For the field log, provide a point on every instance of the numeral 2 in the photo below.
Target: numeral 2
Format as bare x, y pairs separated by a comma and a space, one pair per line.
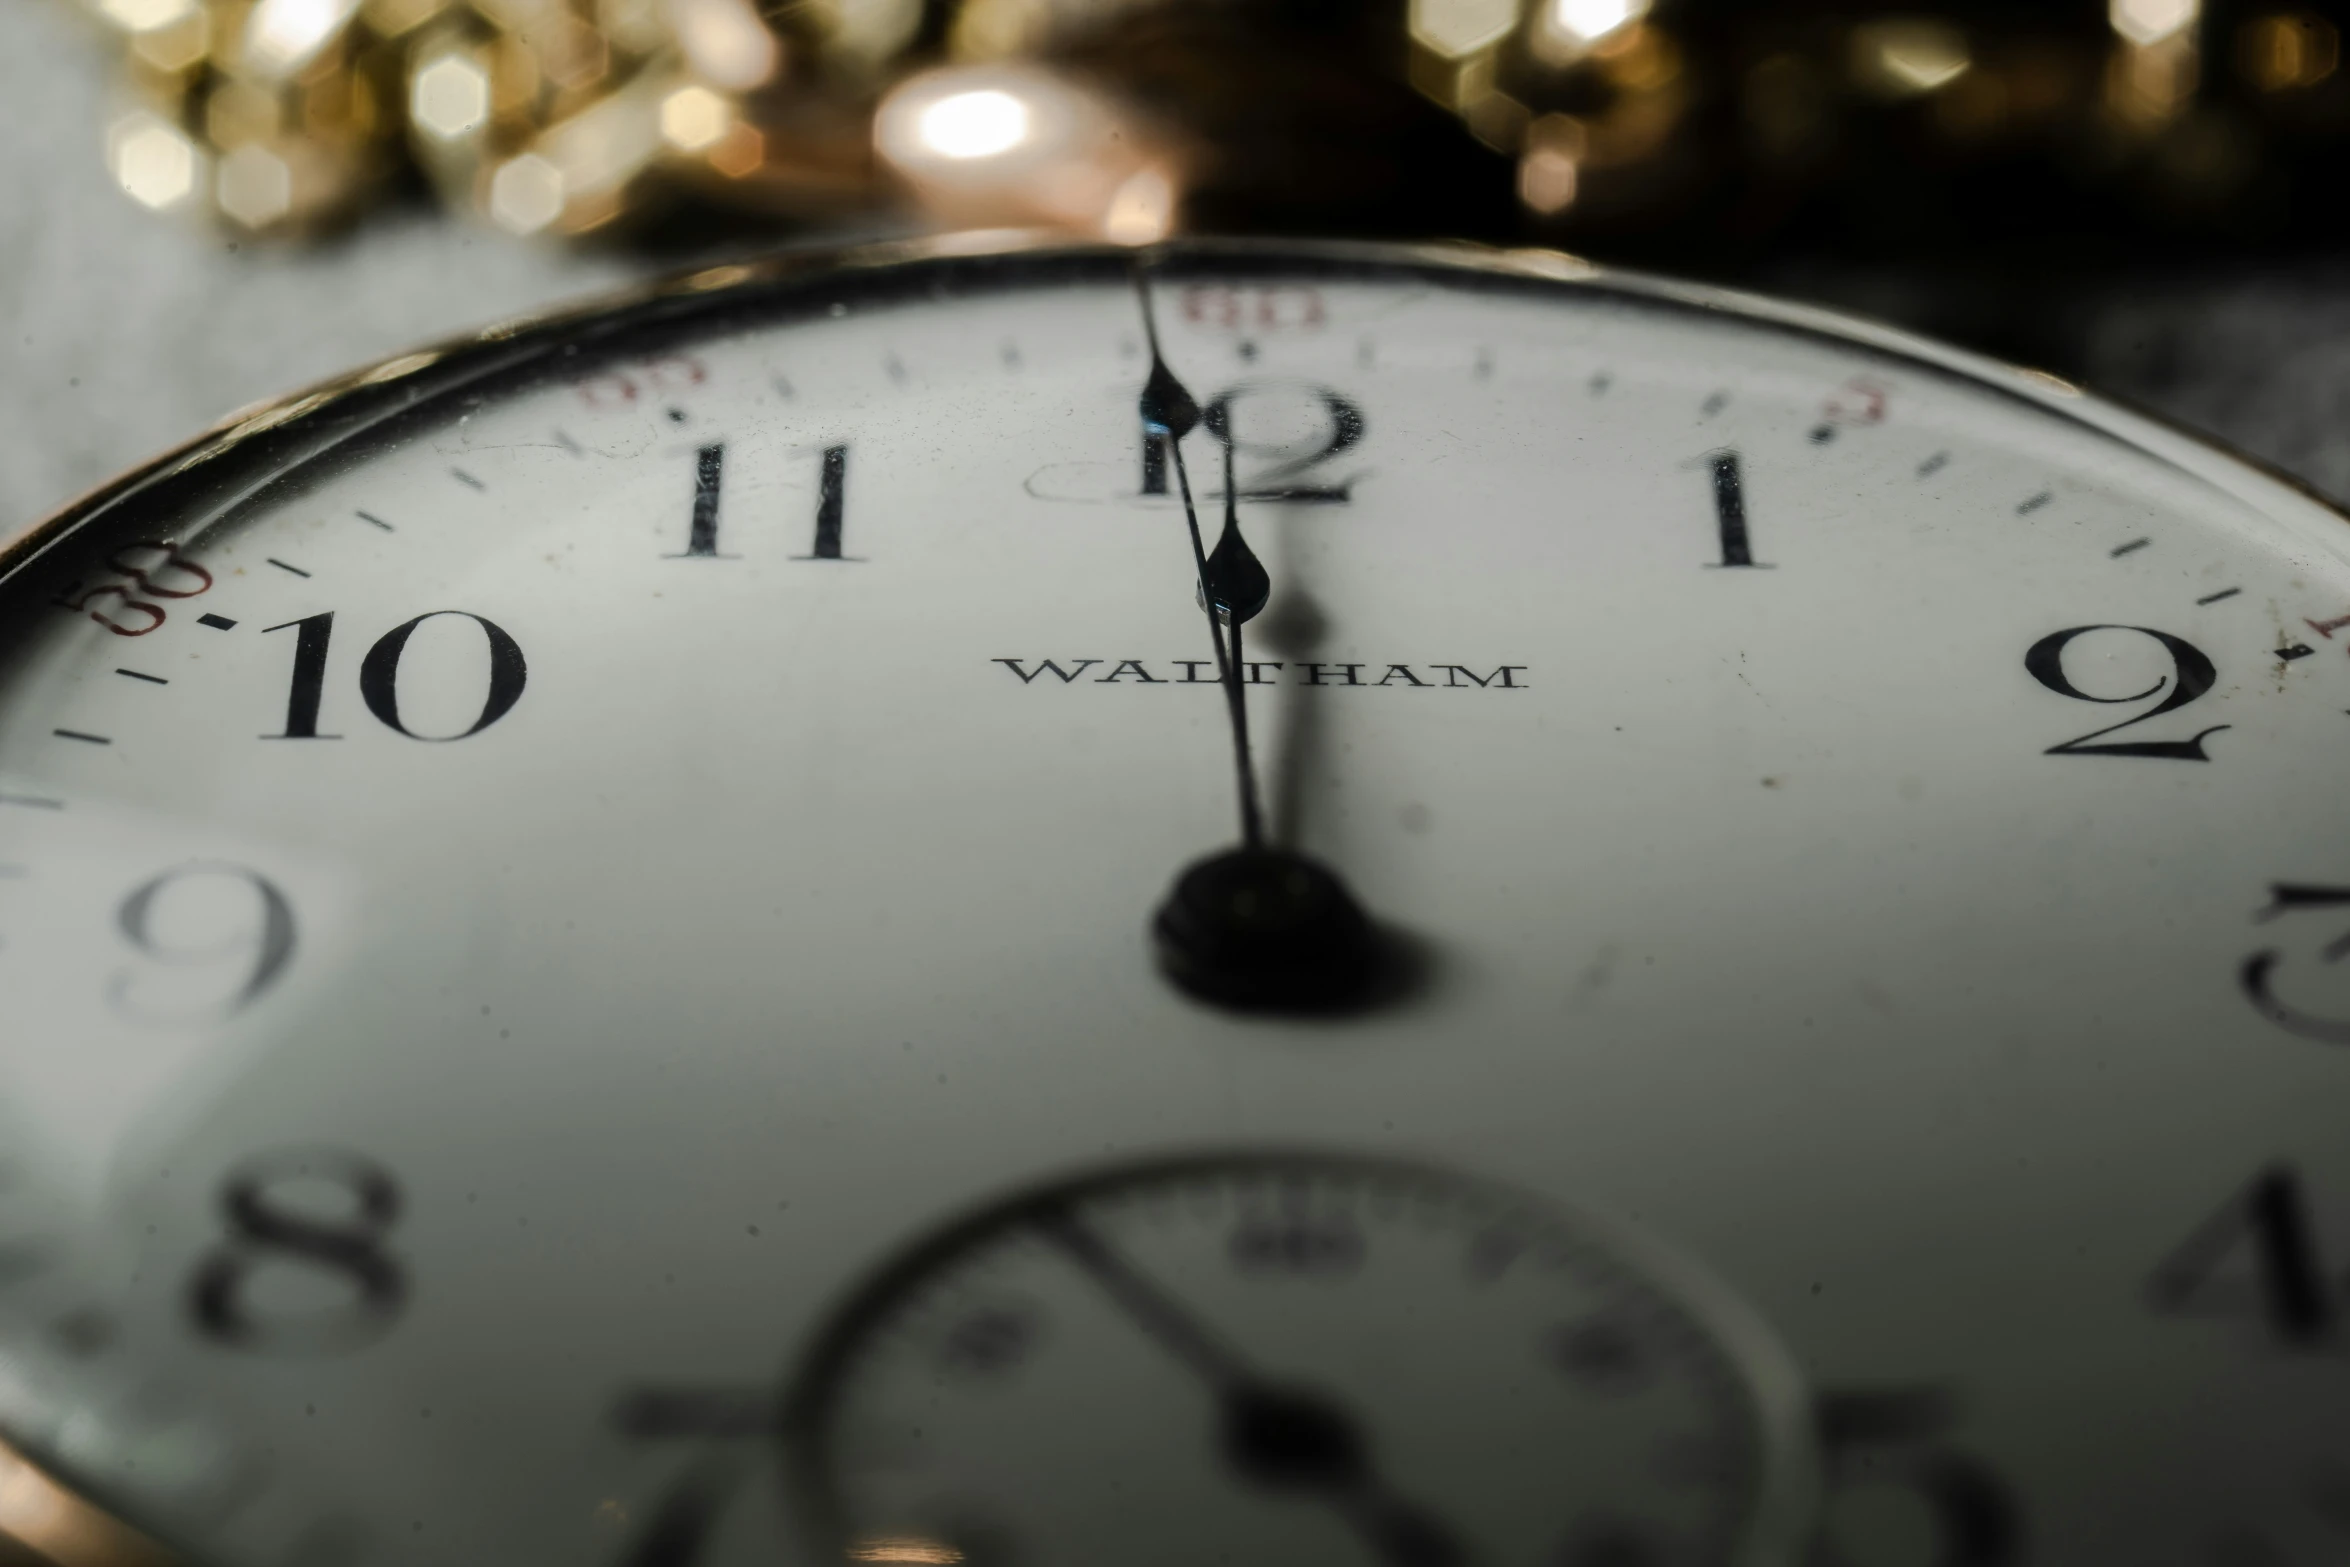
2191, 675
709, 486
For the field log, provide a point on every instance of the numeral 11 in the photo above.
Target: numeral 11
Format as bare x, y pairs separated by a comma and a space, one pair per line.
709, 485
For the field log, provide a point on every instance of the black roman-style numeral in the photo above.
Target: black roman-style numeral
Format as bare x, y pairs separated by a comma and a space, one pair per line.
709, 492
1730, 509
831, 491
709, 479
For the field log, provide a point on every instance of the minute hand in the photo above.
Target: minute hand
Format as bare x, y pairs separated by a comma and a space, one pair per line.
1256, 928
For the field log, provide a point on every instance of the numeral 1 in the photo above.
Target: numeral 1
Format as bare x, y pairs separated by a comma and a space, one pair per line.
1154, 463
709, 477
830, 493
311, 638
1730, 509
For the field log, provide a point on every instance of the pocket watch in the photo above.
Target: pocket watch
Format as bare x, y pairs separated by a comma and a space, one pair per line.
1003, 903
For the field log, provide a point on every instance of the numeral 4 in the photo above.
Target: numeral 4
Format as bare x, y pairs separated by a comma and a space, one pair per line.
2286, 1284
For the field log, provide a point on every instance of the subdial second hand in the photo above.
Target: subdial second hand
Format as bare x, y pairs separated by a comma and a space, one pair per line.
1274, 1434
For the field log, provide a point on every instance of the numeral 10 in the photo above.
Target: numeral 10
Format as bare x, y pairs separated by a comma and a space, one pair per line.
379, 676
709, 486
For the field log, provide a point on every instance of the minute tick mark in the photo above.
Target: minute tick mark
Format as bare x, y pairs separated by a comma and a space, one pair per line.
1933, 465
1713, 405
2294, 650
216, 622
896, 368
564, 440
2035, 503
32, 802
2214, 598
677, 416
2119, 550
76, 734
370, 517
153, 680
467, 479
282, 566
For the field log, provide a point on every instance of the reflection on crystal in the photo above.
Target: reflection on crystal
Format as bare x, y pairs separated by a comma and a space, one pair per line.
1549, 169
911, 1549
739, 154
391, 18
695, 118
283, 36
527, 194
2145, 22
152, 160
450, 97
1907, 56
976, 124
254, 186
140, 16
1453, 28
725, 42
998, 145
2148, 84
1588, 21
1143, 210
239, 112
175, 46
2284, 52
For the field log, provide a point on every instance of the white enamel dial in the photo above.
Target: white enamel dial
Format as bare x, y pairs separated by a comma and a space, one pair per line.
531, 883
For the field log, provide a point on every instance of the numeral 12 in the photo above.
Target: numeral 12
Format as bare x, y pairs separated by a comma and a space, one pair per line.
709, 483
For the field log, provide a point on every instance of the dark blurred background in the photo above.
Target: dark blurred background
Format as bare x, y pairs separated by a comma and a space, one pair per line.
216, 200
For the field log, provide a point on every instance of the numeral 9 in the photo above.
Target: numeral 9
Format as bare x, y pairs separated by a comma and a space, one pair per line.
213, 939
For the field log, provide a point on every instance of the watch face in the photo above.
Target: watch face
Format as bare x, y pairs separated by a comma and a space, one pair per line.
616, 946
